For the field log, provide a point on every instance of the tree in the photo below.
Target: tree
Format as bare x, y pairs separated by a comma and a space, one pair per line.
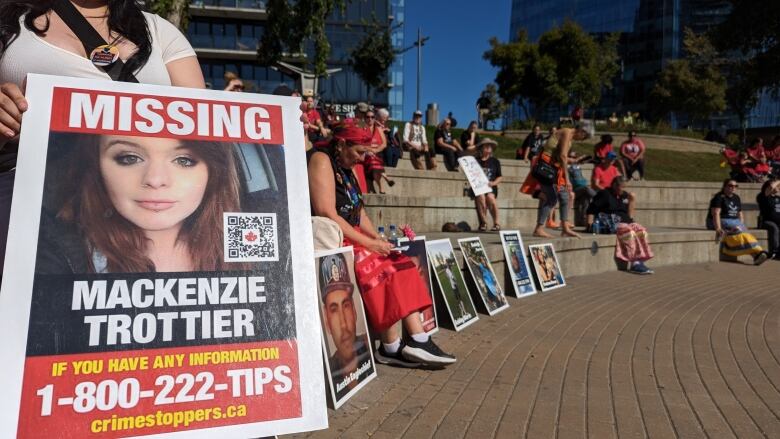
753, 29
584, 67
567, 66
289, 26
692, 85
496, 107
373, 56
175, 11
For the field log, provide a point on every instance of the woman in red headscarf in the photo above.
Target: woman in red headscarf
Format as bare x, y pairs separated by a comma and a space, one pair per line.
391, 287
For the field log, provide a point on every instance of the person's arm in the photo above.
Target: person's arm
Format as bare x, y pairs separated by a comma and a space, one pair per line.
498, 175
441, 144
456, 144
177, 54
741, 217
367, 227
323, 200
716, 221
381, 147
642, 149
595, 181
12, 105
424, 137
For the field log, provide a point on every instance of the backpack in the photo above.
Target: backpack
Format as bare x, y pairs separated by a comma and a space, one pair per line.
544, 171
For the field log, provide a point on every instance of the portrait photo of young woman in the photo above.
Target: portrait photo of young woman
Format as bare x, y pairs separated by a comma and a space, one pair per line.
125, 204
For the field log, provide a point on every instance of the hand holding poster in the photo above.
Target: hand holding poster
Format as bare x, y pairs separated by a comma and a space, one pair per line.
517, 263
154, 286
475, 175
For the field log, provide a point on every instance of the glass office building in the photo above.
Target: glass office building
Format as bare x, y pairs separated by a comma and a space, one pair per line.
225, 35
651, 36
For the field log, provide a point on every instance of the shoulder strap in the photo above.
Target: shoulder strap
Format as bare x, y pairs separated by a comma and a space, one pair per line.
90, 38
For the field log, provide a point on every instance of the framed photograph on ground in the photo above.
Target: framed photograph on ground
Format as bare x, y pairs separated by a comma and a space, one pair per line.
416, 251
162, 266
450, 280
548, 270
481, 270
517, 263
349, 359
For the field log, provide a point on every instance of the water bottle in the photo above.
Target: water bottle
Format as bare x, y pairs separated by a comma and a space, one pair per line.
394, 236
596, 227
381, 230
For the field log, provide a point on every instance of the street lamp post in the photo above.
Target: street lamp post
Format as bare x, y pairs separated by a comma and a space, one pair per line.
418, 44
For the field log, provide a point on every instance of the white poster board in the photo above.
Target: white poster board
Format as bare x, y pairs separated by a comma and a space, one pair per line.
517, 263
347, 349
478, 263
475, 175
451, 284
151, 283
548, 270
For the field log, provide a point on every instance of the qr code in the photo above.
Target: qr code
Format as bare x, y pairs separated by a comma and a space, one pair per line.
250, 237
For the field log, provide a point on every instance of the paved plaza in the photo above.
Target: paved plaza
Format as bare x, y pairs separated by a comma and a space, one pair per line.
693, 351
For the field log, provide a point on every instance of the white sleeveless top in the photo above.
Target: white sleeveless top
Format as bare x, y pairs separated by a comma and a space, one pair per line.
29, 53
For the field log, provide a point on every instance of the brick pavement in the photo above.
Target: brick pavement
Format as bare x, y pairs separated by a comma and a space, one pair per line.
693, 351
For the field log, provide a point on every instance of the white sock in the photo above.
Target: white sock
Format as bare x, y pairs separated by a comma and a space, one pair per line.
393, 347
420, 338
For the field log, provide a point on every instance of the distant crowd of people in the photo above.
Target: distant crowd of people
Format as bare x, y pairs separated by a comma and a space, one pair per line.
755, 163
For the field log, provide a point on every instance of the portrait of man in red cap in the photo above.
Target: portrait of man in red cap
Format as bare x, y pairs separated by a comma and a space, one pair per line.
350, 363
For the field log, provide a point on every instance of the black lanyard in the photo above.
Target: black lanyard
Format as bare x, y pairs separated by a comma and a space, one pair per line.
89, 37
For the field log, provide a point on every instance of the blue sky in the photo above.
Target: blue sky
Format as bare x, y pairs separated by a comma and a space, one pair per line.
454, 72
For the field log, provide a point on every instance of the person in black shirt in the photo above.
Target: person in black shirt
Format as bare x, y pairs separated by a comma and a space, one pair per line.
725, 216
613, 208
492, 168
532, 145
448, 147
469, 138
769, 205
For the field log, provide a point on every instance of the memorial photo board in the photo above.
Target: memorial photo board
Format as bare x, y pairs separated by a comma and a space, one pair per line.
450, 281
548, 270
349, 358
481, 270
517, 263
416, 251
151, 283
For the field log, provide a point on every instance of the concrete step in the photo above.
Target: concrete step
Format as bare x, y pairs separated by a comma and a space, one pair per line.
427, 214
509, 167
450, 184
652, 141
595, 253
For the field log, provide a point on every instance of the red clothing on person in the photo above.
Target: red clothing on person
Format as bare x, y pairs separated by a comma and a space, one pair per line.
313, 116
391, 286
605, 176
756, 155
602, 149
631, 149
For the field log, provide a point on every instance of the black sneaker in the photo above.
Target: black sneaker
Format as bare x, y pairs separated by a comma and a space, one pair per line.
396, 359
426, 353
760, 258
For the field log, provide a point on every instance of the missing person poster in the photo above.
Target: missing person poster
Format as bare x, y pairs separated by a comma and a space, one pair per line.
517, 263
475, 175
548, 270
481, 270
151, 284
416, 251
450, 280
349, 359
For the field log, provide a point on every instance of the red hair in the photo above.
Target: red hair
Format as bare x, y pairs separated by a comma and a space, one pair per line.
122, 242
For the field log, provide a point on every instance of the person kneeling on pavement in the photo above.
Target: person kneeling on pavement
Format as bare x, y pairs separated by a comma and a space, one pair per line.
611, 212
391, 287
726, 218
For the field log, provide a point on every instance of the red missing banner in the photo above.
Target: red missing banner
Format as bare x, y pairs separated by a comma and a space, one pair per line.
105, 112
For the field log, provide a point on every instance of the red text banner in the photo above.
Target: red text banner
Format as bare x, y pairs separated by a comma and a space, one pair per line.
142, 392
116, 113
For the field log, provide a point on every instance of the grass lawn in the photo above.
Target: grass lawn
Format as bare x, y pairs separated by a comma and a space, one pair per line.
661, 165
